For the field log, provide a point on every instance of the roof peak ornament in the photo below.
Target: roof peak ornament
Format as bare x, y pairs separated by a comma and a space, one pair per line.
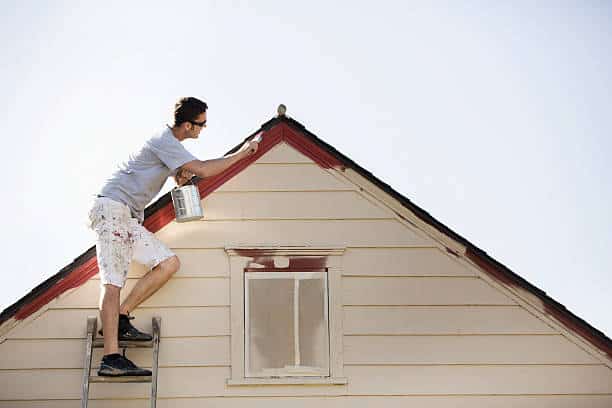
281, 110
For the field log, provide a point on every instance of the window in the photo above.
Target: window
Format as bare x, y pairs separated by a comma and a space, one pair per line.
286, 315
286, 324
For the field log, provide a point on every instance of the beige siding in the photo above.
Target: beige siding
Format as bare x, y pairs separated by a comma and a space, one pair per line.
176, 322
290, 205
477, 349
283, 177
449, 401
420, 291
447, 379
203, 262
282, 153
196, 263
180, 382
352, 233
68, 353
173, 382
194, 292
402, 262
421, 327
426, 320
363, 350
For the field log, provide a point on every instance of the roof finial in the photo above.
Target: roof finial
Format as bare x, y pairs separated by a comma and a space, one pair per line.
282, 109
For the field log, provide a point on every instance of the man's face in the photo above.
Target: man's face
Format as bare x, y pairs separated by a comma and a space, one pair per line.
197, 125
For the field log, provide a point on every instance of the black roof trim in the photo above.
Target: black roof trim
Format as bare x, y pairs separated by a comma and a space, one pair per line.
48, 283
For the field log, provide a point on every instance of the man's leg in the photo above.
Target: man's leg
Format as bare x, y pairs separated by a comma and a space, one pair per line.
114, 250
109, 314
114, 364
150, 283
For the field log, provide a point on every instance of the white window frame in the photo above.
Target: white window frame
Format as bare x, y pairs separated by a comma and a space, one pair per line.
242, 257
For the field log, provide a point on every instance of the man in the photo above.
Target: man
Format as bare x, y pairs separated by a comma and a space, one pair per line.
117, 216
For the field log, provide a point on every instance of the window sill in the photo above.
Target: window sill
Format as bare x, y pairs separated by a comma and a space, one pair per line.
288, 381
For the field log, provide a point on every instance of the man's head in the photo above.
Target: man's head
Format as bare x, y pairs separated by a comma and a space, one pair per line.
189, 117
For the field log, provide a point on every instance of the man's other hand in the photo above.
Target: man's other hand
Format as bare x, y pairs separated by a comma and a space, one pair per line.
182, 177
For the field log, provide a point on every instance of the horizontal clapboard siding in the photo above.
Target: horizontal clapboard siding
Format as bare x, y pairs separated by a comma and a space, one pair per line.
214, 320
448, 401
350, 233
420, 291
290, 205
501, 349
173, 382
374, 261
285, 177
282, 153
402, 262
193, 292
441, 320
195, 263
547, 379
179, 382
68, 353
358, 350
176, 322
198, 263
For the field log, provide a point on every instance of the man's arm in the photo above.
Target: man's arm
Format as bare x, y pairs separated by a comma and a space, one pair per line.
209, 168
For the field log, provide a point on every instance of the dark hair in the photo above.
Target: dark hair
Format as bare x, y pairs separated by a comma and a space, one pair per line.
188, 109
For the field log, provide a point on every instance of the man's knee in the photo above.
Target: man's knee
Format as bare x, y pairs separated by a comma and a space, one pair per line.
109, 296
170, 265
110, 290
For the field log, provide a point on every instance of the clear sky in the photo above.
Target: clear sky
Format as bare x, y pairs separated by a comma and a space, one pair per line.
494, 117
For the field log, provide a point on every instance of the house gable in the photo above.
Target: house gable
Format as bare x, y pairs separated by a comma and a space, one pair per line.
422, 323
287, 145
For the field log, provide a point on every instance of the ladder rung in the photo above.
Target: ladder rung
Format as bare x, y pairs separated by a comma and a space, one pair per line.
123, 379
99, 343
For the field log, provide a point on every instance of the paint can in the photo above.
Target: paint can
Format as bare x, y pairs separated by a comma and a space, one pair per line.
186, 202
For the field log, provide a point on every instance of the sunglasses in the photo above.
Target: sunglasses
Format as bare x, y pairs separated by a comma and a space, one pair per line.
200, 124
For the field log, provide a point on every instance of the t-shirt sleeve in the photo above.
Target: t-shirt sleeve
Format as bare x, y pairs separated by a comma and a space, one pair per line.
170, 151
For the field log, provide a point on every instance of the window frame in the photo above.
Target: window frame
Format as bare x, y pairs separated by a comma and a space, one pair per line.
241, 259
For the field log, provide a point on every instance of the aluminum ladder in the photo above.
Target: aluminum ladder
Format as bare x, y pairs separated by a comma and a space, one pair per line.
93, 342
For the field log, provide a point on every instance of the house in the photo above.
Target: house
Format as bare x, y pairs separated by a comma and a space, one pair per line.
312, 283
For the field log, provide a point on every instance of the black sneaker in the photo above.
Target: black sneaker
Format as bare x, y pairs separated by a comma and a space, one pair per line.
128, 332
116, 365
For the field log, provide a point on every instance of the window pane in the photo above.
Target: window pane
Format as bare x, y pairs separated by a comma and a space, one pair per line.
280, 342
313, 325
270, 323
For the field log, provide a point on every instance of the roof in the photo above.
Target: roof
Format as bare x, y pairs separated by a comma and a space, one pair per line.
279, 129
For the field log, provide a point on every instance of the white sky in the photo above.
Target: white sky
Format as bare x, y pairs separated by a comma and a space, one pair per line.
495, 119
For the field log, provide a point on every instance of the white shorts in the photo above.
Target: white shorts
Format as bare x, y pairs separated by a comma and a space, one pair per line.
122, 239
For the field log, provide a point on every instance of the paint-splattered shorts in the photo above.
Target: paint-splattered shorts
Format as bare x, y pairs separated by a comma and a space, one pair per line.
122, 239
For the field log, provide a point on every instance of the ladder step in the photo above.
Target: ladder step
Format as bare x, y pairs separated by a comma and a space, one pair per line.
124, 379
99, 343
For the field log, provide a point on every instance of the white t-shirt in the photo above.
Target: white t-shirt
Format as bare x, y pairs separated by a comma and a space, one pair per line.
139, 179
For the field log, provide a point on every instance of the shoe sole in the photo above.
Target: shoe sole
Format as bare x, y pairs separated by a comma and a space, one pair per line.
135, 338
121, 373
150, 338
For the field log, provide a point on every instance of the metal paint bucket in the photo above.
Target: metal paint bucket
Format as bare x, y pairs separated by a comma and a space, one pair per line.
186, 201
